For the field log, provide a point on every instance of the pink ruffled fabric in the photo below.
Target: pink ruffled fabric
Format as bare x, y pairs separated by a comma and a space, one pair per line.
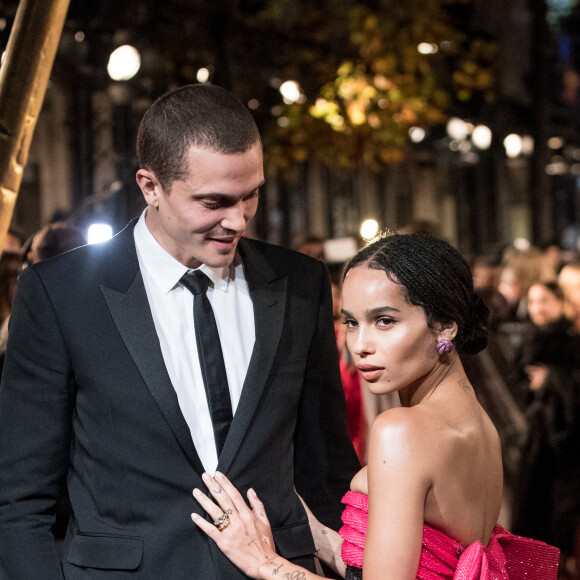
506, 557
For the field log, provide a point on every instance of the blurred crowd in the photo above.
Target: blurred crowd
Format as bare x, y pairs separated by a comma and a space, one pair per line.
18, 253
527, 379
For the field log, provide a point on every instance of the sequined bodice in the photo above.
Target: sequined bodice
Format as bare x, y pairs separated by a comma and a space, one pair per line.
506, 557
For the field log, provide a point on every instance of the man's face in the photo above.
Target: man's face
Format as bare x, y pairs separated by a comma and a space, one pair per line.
204, 214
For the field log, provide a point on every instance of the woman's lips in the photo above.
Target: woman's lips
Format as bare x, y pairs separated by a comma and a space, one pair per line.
369, 373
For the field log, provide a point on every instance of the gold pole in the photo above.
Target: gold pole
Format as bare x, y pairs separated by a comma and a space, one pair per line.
23, 79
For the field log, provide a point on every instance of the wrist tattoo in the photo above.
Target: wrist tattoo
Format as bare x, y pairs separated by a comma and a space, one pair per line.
271, 561
295, 575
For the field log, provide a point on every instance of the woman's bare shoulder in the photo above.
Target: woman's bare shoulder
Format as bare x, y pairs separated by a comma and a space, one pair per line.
405, 422
401, 434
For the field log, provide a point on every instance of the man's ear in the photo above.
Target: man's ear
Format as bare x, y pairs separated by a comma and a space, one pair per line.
445, 330
150, 186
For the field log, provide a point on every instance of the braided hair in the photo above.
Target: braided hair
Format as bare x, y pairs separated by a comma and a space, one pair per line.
434, 276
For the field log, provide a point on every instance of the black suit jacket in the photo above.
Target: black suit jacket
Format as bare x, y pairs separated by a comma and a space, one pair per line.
85, 396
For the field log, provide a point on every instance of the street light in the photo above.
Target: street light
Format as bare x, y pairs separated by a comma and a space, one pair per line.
417, 134
291, 92
481, 137
124, 63
457, 129
427, 48
202, 75
513, 145
369, 229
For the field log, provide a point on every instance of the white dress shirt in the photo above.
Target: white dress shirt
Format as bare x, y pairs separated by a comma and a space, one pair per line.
172, 308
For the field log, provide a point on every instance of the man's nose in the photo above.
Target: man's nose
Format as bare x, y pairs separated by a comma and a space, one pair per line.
234, 218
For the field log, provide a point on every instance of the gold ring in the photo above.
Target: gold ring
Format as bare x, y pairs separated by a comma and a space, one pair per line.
222, 522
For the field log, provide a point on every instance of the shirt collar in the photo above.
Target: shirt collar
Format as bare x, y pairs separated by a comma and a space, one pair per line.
164, 269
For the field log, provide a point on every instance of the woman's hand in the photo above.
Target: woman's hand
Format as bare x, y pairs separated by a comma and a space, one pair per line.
243, 534
246, 538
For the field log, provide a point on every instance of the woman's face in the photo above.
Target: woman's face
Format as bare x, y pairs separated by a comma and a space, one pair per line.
388, 338
508, 286
569, 281
543, 305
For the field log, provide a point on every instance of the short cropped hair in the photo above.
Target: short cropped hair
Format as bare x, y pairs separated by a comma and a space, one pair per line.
204, 116
434, 276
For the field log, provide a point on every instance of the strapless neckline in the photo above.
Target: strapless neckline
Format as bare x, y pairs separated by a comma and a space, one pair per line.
506, 556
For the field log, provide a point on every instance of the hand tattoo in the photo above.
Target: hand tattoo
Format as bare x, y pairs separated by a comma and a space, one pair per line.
230, 511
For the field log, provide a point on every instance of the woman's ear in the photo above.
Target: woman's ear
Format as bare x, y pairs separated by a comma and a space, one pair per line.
446, 330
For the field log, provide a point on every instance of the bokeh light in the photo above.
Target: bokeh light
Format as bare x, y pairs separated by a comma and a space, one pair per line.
124, 63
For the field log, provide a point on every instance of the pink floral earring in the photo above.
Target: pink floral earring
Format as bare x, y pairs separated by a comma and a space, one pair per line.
445, 346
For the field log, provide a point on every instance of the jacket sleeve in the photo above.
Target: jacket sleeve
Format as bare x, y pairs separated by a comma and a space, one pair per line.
325, 460
36, 399
559, 403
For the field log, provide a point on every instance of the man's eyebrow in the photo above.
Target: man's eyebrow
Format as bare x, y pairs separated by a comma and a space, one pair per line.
226, 195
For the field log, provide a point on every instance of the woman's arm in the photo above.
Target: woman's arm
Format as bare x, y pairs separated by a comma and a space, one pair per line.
326, 541
247, 539
398, 483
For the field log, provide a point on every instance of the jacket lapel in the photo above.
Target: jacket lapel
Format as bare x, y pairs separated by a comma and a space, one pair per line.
127, 301
268, 292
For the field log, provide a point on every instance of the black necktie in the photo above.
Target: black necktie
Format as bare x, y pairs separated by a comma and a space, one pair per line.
211, 357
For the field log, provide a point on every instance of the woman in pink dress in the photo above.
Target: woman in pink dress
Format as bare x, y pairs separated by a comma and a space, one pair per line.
427, 503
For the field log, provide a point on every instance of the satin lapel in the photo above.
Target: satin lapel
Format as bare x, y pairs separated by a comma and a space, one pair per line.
268, 292
132, 316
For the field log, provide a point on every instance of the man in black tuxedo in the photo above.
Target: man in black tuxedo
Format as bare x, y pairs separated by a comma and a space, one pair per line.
107, 387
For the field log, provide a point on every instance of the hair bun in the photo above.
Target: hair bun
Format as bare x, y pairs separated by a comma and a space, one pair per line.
472, 337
